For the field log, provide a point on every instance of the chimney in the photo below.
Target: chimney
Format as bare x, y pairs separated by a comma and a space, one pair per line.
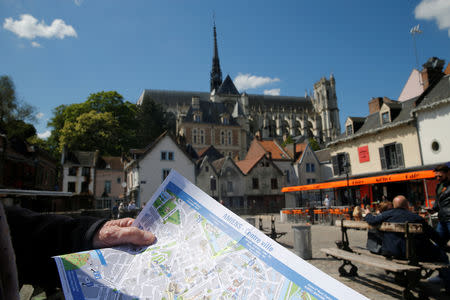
432, 71
375, 105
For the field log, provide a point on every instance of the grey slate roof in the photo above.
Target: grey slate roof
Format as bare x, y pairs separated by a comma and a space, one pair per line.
227, 87
373, 124
172, 98
83, 158
441, 91
211, 112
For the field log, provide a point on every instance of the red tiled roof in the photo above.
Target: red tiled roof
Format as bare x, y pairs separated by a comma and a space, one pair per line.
271, 146
202, 151
247, 164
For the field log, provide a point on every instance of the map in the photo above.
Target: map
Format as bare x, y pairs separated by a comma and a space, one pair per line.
203, 251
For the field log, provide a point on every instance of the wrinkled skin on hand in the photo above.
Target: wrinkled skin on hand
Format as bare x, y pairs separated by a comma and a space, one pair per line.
119, 232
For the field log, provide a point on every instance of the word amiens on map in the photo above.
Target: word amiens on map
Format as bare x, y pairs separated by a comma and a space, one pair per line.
248, 233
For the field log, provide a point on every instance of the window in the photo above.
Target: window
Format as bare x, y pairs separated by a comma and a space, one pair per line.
197, 118
255, 183
85, 187
349, 129
341, 164
165, 172
206, 169
225, 120
391, 156
310, 168
166, 155
71, 187
435, 146
85, 171
222, 137
119, 179
229, 186
107, 186
212, 184
194, 136
202, 137
229, 137
310, 180
385, 117
274, 183
73, 171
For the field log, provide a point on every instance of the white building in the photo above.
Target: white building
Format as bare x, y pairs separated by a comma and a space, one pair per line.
433, 122
150, 166
79, 171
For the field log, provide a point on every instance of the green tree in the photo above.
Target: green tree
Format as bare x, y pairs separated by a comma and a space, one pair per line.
314, 144
90, 131
152, 121
123, 112
11, 108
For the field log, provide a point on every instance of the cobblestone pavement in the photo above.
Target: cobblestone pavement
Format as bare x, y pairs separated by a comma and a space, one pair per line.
371, 282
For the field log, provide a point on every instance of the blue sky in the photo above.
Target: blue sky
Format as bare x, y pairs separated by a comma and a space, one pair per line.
60, 51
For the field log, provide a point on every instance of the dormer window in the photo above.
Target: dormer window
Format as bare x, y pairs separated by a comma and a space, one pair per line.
349, 129
385, 118
225, 120
197, 118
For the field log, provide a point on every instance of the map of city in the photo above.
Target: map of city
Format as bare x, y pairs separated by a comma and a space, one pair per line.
193, 258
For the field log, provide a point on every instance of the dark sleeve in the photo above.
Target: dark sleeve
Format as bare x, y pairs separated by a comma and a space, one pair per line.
375, 220
37, 237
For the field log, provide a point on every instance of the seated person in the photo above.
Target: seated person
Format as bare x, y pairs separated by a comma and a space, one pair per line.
394, 244
374, 236
357, 213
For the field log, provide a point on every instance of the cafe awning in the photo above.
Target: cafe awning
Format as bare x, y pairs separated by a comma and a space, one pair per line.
362, 181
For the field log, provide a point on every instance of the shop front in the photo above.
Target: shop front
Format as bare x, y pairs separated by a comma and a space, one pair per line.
418, 186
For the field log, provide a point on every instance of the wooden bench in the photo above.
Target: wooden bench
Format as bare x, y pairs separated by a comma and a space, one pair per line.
407, 272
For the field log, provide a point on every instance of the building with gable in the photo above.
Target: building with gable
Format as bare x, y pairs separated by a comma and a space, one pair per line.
147, 168
229, 119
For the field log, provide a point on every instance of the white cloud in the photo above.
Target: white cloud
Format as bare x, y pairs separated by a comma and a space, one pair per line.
78, 2
29, 27
35, 44
438, 10
272, 92
248, 81
39, 115
44, 135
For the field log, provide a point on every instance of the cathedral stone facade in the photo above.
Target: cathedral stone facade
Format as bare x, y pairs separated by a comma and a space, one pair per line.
229, 120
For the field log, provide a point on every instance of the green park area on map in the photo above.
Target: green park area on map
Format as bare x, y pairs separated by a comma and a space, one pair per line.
74, 261
166, 208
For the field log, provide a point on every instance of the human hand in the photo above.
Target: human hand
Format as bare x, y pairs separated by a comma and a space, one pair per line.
119, 232
367, 211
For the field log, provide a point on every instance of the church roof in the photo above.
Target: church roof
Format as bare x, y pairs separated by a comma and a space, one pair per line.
211, 113
227, 87
267, 100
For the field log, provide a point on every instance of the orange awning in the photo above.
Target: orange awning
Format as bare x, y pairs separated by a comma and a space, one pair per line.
362, 181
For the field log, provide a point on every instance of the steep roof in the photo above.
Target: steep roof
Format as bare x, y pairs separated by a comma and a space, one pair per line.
247, 165
83, 158
437, 93
211, 113
277, 152
227, 87
218, 163
211, 152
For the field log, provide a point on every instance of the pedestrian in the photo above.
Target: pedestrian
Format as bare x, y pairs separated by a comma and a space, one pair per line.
327, 202
121, 210
442, 202
115, 211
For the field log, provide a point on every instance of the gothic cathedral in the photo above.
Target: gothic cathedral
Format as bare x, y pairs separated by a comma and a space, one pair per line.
229, 120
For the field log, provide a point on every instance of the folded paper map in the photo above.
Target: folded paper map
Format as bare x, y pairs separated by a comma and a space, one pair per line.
203, 251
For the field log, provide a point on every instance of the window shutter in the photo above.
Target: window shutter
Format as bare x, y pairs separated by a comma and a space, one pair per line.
334, 160
382, 158
349, 165
399, 151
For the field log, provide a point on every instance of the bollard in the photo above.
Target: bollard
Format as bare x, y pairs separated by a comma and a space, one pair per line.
252, 221
283, 216
302, 241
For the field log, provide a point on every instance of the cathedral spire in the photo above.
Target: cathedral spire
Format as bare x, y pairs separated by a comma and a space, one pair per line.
216, 73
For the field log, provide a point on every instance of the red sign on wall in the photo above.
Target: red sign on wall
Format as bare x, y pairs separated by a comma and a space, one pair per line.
363, 153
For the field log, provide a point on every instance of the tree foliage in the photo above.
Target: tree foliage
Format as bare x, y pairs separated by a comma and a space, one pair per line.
14, 113
314, 144
107, 123
92, 130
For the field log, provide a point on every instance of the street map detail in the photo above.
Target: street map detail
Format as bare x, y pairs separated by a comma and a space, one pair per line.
203, 251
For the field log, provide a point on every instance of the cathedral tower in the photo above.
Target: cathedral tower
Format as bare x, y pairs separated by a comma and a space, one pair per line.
216, 73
